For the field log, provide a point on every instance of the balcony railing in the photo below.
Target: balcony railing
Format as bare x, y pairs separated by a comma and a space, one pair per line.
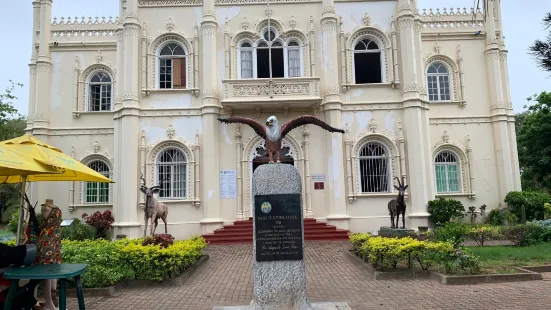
295, 91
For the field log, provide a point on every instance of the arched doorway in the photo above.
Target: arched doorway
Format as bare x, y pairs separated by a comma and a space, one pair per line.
261, 156
258, 156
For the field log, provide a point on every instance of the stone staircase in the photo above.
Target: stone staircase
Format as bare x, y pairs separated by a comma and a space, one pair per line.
241, 232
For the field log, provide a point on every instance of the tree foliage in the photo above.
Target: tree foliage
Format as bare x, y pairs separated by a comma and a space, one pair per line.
12, 124
534, 143
541, 50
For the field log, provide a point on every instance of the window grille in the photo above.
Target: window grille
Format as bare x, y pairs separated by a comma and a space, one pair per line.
374, 168
97, 192
438, 82
172, 67
446, 169
172, 167
100, 92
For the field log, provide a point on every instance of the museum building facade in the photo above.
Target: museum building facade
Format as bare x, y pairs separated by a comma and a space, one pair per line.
423, 96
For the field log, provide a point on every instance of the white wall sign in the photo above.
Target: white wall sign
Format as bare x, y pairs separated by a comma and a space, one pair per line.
228, 184
318, 177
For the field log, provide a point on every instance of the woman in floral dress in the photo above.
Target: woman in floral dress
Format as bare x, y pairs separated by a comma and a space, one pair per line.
48, 247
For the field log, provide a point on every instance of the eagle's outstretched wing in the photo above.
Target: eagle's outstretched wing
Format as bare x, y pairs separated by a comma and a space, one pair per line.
256, 126
305, 120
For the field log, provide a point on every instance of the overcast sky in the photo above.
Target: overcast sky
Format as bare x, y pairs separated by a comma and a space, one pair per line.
522, 25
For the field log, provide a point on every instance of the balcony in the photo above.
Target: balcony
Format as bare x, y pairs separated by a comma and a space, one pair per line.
257, 93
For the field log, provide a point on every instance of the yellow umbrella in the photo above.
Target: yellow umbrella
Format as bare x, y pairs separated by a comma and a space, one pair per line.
68, 168
13, 164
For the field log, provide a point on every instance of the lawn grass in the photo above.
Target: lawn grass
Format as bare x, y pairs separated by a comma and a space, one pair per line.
502, 259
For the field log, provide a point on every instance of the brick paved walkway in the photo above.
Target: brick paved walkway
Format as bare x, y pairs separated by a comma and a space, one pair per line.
226, 279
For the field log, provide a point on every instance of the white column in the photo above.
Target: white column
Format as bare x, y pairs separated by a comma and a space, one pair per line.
32, 66
498, 102
211, 127
239, 177
307, 175
127, 127
415, 117
332, 106
42, 86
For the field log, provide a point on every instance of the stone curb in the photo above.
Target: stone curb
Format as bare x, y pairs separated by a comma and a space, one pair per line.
112, 290
527, 274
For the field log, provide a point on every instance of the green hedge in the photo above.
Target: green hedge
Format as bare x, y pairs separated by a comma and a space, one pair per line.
532, 202
112, 261
390, 253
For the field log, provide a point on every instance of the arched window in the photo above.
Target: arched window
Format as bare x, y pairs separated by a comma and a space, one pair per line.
171, 173
97, 192
172, 67
293, 59
374, 168
246, 58
270, 52
438, 82
367, 62
100, 92
446, 170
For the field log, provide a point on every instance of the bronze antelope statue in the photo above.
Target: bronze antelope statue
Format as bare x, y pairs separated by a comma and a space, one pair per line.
153, 209
398, 206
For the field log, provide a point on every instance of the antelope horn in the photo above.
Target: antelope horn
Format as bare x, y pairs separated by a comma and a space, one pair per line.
399, 184
143, 179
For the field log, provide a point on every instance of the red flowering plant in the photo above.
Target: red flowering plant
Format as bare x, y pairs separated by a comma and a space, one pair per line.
100, 221
163, 240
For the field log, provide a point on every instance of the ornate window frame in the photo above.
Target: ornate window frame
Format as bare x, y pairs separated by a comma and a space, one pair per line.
453, 71
84, 90
283, 35
152, 156
393, 157
382, 40
153, 60
460, 166
81, 185
465, 165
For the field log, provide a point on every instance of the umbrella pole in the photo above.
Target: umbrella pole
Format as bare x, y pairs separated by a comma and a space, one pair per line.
21, 211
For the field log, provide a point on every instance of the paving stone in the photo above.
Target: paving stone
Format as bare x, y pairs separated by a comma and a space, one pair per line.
226, 280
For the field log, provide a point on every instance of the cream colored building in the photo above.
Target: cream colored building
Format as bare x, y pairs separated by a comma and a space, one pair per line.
423, 95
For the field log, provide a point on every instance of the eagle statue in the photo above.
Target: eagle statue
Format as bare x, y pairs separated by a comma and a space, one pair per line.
272, 133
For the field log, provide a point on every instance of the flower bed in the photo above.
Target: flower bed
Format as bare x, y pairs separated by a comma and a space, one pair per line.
395, 253
111, 262
393, 258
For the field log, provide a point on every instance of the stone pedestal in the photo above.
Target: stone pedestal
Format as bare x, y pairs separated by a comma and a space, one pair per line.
278, 244
390, 232
278, 283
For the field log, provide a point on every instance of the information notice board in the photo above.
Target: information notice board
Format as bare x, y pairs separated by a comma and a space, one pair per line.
278, 227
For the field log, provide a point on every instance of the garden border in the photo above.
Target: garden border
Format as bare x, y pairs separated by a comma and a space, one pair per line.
112, 290
527, 274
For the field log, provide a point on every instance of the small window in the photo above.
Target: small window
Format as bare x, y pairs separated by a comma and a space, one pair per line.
374, 171
96, 192
293, 59
171, 166
246, 54
172, 67
367, 62
100, 88
438, 82
446, 169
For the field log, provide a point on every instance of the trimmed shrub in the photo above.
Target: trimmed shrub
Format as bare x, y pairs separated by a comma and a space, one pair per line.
532, 202
523, 234
385, 253
452, 232
162, 240
443, 210
106, 265
481, 234
78, 231
100, 221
